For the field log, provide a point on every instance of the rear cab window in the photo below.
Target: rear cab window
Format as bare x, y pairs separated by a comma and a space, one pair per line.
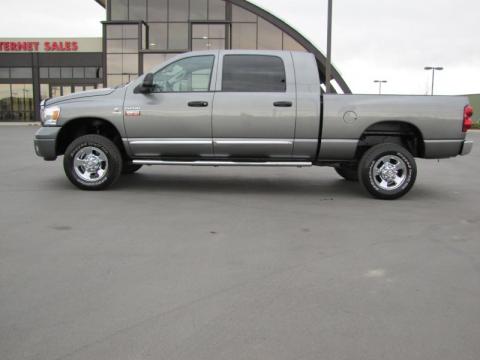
253, 73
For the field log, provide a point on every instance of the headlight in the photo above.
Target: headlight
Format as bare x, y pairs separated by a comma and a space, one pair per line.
50, 115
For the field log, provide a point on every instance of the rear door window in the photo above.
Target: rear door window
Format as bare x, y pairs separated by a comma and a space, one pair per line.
253, 73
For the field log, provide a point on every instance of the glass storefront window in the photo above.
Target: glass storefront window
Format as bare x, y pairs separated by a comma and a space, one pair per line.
242, 15
208, 44
44, 72
5, 101
200, 31
157, 35
67, 90
93, 72
114, 63
16, 102
56, 91
158, 10
137, 10
44, 91
290, 44
78, 72
178, 36
269, 36
21, 73
114, 31
77, 89
130, 63
114, 46
54, 73
4, 73
122, 31
122, 46
114, 80
208, 37
204, 31
130, 46
122, 50
66, 72
119, 9
198, 9
152, 60
244, 36
216, 9
130, 31
178, 10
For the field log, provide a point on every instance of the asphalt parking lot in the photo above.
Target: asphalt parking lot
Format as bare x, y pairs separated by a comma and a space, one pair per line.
236, 263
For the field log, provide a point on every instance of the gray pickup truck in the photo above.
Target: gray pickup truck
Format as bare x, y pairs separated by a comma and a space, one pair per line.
249, 108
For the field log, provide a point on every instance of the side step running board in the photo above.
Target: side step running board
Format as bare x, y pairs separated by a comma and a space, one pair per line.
223, 163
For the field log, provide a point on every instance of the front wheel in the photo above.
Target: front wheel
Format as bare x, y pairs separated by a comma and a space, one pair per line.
387, 171
92, 162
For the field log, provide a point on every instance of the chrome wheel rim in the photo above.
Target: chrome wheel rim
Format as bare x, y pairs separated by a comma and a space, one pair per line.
389, 172
90, 164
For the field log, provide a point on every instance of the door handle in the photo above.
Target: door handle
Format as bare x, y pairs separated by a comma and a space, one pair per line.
282, 104
198, 104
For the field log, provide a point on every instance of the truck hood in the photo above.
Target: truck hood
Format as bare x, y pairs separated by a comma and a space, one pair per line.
79, 95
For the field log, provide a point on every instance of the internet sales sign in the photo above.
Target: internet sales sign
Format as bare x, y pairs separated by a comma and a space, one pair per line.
36, 46
49, 45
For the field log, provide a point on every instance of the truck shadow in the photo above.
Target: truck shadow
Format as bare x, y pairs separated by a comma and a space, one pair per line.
229, 184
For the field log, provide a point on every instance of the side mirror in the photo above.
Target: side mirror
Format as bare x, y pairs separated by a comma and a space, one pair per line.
148, 81
146, 86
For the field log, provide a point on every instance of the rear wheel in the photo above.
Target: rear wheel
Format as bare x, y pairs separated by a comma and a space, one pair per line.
348, 172
92, 162
387, 171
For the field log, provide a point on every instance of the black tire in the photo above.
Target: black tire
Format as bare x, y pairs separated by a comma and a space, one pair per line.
109, 162
129, 168
380, 175
348, 172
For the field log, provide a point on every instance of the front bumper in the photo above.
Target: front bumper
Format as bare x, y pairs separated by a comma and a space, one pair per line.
466, 147
45, 141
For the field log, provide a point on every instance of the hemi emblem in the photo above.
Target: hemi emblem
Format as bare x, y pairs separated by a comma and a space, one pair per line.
132, 111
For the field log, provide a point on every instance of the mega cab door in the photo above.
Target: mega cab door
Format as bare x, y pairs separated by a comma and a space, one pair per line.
254, 107
174, 118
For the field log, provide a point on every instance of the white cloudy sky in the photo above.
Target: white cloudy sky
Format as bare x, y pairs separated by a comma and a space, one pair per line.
372, 39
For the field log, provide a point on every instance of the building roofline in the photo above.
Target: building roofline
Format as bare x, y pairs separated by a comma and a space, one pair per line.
282, 25
295, 35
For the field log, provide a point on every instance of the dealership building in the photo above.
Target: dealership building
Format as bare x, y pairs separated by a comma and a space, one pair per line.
137, 35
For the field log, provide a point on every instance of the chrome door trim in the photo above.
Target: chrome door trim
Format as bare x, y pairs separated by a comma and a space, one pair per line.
170, 141
306, 140
252, 142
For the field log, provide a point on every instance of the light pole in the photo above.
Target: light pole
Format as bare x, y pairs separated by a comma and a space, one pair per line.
328, 66
433, 68
380, 82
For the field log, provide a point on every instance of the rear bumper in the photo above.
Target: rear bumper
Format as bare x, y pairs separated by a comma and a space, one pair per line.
466, 147
45, 141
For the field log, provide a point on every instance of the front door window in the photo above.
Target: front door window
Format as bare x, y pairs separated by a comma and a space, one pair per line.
187, 75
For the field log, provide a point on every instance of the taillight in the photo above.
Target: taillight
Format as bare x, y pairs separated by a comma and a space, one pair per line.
467, 118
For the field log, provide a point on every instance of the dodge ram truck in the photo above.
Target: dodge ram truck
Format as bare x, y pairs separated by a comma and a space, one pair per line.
249, 108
